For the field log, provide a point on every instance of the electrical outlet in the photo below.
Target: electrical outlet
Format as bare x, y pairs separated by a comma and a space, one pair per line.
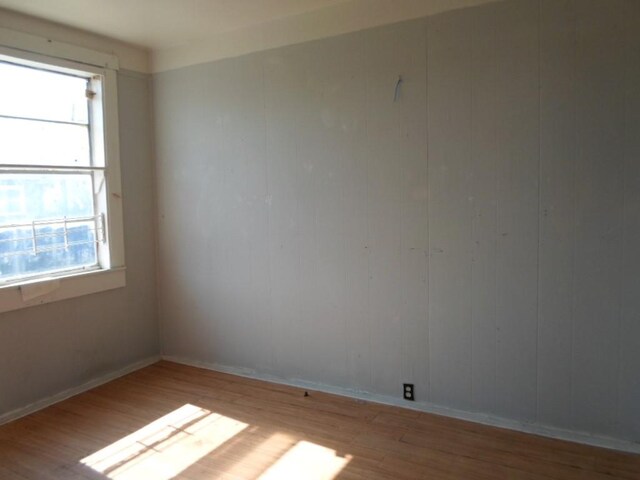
408, 391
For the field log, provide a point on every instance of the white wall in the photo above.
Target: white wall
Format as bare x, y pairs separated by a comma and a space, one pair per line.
50, 348
480, 237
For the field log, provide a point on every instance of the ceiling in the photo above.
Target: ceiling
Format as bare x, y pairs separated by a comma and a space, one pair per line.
158, 35
159, 24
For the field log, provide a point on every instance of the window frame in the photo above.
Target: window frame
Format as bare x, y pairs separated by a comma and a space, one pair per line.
110, 274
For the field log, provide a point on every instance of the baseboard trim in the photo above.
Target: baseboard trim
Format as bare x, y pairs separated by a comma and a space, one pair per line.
58, 397
491, 420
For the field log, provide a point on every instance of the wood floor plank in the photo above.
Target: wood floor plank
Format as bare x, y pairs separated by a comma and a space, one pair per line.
175, 421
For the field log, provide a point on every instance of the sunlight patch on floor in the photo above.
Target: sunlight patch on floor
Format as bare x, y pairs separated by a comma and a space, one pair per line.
165, 447
252, 459
309, 461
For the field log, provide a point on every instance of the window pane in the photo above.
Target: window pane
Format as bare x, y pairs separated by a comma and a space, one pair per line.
51, 243
56, 248
32, 93
40, 143
25, 197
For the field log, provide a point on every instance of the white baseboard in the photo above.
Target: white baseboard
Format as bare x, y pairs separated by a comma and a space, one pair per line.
58, 397
485, 419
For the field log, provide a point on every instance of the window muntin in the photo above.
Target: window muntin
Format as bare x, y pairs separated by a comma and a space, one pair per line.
53, 209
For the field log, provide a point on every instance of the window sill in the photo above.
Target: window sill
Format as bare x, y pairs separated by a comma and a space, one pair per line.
52, 289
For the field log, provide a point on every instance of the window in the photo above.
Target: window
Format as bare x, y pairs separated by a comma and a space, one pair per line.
60, 200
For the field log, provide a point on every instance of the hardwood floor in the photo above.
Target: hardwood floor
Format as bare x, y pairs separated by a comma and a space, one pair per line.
173, 421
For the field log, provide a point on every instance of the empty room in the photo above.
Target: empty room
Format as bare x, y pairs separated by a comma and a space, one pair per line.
319, 239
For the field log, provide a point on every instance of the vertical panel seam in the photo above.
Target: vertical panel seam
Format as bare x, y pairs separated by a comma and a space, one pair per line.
469, 44
343, 309
574, 175
268, 203
428, 253
402, 312
537, 380
627, 61
426, 210
496, 243
368, 214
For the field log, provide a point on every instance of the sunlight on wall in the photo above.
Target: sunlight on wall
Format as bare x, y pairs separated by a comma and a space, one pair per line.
309, 461
165, 447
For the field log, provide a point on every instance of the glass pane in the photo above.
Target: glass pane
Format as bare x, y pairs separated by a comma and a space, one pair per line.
32, 93
25, 197
27, 142
51, 243
56, 248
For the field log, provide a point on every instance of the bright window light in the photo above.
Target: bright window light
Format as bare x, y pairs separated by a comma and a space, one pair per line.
167, 446
309, 461
53, 192
254, 459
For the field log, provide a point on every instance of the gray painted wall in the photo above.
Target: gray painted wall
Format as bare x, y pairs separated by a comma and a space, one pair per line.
50, 348
479, 237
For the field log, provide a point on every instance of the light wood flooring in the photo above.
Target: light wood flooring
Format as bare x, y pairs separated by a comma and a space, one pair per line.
173, 421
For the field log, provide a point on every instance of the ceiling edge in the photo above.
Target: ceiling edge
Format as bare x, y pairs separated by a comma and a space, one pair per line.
334, 20
130, 57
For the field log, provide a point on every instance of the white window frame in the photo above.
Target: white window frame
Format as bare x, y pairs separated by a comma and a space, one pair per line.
50, 288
